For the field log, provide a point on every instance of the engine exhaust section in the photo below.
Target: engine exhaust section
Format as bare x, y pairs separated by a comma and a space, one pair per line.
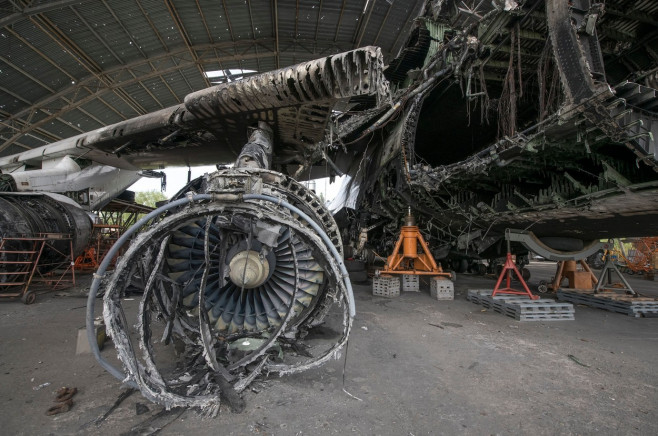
33, 214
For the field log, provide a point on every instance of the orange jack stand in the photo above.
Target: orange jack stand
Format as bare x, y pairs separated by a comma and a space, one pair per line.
507, 273
406, 259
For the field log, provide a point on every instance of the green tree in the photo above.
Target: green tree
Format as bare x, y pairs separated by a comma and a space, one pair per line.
149, 198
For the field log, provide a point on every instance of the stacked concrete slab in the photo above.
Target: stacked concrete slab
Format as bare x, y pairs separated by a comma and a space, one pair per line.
613, 302
521, 307
386, 286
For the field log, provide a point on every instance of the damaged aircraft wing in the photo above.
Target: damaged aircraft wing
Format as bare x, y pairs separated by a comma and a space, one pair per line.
525, 115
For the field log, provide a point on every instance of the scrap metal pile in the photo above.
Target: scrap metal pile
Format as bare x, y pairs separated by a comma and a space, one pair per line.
510, 114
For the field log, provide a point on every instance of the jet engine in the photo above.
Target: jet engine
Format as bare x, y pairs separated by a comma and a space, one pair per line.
234, 275
25, 215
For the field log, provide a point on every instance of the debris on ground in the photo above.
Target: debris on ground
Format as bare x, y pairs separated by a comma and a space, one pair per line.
575, 359
63, 400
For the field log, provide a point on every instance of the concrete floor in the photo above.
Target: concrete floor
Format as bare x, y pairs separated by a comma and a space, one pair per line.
472, 372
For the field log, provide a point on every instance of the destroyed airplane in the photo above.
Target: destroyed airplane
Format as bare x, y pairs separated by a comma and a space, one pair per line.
538, 116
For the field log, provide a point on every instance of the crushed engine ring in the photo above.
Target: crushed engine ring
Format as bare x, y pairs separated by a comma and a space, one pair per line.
206, 348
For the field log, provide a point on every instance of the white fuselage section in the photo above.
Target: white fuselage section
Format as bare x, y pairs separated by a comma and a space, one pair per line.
91, 186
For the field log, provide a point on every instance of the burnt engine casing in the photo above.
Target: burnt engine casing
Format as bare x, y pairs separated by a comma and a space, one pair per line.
24, 215
236, 273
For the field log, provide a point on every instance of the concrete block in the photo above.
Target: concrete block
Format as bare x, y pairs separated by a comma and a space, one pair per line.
82, 344
442, 288
410, 283
386, 286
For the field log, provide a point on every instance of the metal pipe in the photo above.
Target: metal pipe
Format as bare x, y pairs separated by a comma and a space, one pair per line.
98, 275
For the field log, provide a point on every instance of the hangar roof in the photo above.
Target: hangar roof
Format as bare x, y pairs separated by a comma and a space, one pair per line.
68, 67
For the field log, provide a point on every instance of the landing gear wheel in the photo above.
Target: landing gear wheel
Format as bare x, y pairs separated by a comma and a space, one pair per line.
543, 286
481, 269
355, 265
525, 273
29, 297
358, 276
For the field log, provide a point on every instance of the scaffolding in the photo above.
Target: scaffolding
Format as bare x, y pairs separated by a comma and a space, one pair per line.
23, 265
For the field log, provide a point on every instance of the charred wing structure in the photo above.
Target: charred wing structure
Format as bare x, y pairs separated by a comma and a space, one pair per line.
532, 115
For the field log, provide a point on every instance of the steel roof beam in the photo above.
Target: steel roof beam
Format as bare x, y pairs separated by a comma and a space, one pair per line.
361, 28
340, 19
28, 11
317, 21
253, 33
186, 38
276, 32
388, 11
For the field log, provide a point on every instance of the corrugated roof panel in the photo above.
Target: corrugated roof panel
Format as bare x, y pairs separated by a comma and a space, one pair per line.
160, 18
46, 47
119, 105
176, 82
375, 22
20, 61
102, 112
240, 18
102, 48
9, 103
157, 87
192, 23
17, 83
139, 33
350, 21
328, 20
193, 77
263, 19
140, 96
82, 120
61, 127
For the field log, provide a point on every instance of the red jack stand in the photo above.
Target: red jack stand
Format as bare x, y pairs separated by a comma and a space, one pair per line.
506, 272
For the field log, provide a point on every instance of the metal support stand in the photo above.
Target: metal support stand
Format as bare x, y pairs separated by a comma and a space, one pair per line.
406, 258
605, 280
507, 274
19, 267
